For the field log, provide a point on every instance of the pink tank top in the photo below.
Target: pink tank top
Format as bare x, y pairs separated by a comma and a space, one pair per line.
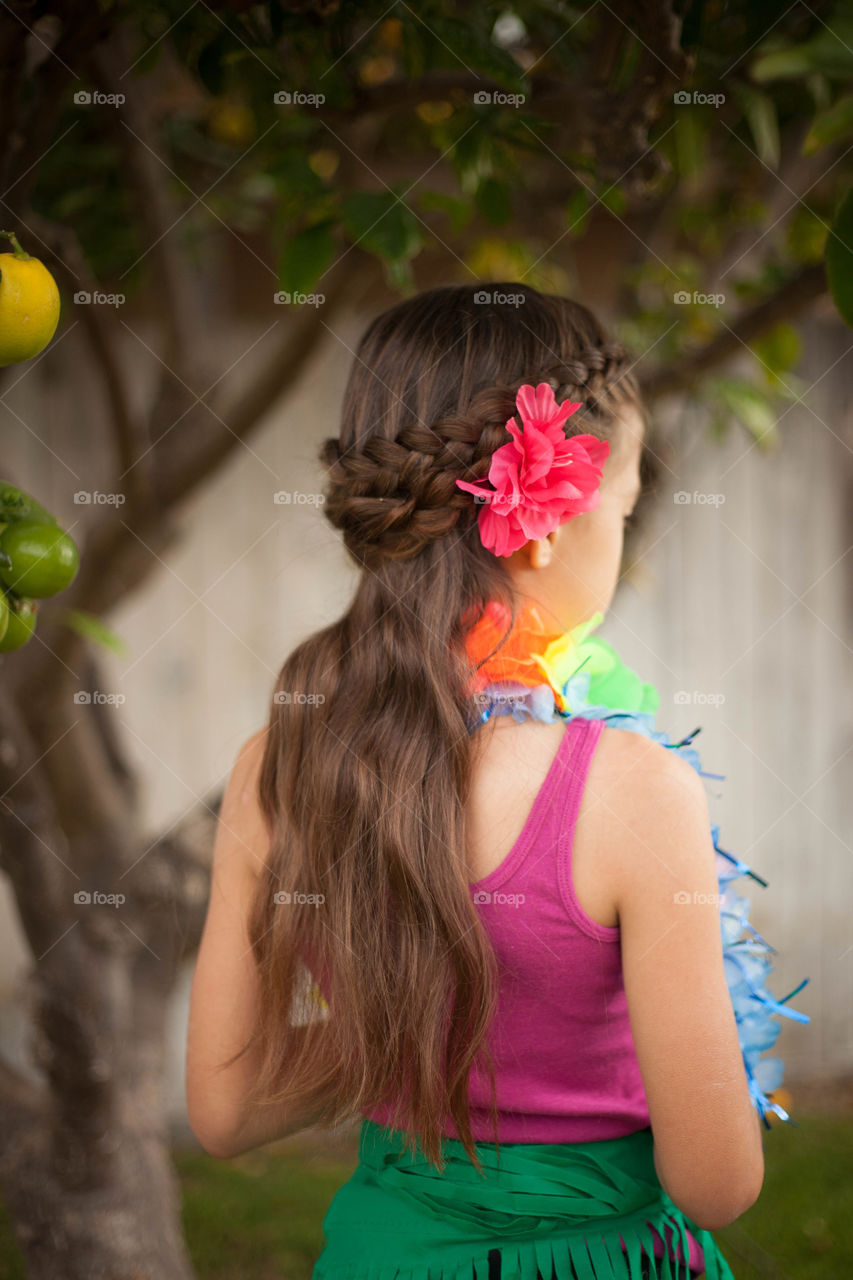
565, 1064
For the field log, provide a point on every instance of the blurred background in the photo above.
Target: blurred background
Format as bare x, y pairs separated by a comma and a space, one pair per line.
225, 195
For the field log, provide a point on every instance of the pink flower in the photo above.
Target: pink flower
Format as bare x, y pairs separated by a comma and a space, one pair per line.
540, 478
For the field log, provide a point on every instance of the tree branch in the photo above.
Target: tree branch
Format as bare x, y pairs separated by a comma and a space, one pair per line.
73, 984
83, 26
159, 211
131, 438
788, 301
189, 457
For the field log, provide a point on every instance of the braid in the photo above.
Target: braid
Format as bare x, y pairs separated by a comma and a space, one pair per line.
391, 498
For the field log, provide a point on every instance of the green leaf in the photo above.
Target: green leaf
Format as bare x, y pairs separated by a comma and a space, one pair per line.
493, 201
614, 198
93, 628
778, 351
830, 125
306, 256
459, 211
830, 51
760, 111
459, 44
839, 259
578, 210
689, 137
381, 223
751, 406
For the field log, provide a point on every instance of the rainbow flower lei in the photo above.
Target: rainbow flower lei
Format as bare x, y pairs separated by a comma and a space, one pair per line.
550, 676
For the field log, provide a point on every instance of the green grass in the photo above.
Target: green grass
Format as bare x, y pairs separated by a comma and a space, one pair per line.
262, 1215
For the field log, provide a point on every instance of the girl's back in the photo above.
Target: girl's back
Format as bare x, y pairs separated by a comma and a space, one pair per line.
635, 844
486, 516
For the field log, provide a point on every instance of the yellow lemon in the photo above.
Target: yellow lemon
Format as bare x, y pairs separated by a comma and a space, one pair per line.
29, 305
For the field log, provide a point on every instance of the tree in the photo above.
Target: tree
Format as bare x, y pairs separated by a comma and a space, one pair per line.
355, 144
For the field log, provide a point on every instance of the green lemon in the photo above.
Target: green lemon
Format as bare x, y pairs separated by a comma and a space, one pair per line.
44, 559
29, 304
21, 623
15, 504
4, 614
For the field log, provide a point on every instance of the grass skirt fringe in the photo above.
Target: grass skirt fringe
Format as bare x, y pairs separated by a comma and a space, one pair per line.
559, 1209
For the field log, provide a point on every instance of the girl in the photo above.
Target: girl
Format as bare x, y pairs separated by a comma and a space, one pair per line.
511, 919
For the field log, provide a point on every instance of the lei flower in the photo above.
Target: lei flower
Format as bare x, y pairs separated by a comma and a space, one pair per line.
540, 478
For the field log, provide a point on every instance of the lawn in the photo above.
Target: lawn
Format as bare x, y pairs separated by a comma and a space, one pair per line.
261, 1215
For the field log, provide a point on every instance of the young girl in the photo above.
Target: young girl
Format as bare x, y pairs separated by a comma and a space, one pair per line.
508, 910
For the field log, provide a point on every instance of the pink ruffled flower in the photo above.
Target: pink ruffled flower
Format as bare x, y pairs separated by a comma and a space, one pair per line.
540, 478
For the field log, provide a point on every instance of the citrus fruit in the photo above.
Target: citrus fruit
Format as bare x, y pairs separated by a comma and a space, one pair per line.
15, 504
44, 559
4, 614
29, 305
21, 623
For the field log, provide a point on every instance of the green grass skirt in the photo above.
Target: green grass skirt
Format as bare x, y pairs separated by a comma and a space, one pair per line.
545, 1207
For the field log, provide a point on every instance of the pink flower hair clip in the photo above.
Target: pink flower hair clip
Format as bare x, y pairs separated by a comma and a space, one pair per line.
540, 478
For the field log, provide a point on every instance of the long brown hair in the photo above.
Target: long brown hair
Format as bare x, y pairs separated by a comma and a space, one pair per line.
368, 755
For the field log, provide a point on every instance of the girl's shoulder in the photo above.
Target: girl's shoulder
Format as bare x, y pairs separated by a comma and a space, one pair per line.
642, 794
637, 766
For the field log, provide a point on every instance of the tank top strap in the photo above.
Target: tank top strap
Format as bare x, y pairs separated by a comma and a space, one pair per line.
585, 735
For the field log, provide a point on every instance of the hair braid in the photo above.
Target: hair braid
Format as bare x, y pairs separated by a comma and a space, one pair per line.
391, 498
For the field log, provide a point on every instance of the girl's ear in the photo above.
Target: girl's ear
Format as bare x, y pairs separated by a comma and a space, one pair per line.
539, 551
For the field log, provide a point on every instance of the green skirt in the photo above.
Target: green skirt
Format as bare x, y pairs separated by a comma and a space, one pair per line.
545, 1207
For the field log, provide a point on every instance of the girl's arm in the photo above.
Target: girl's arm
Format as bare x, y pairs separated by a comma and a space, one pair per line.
222, 1002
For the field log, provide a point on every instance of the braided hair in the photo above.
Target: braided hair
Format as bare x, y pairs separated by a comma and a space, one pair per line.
393, 494
364, 785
